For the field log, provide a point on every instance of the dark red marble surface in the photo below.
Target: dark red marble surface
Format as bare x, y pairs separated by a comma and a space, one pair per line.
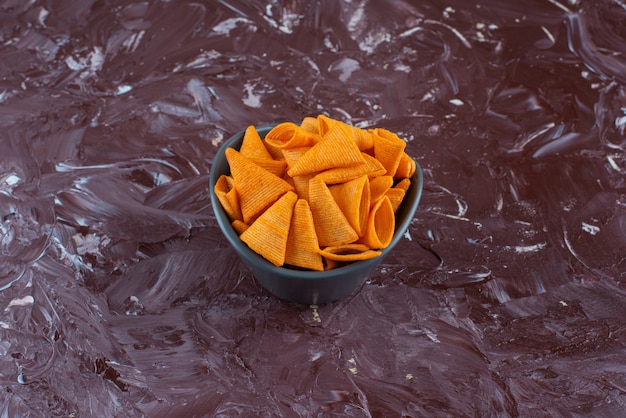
119, 297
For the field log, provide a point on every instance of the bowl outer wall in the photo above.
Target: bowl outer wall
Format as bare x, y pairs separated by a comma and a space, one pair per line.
303, 286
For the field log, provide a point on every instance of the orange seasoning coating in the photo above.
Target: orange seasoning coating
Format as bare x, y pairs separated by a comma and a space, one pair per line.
316, 195
256, 187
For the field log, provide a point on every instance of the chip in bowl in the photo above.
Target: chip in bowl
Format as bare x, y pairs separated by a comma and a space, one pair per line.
318, 194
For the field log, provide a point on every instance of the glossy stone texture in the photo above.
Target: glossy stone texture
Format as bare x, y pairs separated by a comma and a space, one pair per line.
120, 296
307, 287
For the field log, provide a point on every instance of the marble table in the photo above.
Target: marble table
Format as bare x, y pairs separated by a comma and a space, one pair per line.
119, 296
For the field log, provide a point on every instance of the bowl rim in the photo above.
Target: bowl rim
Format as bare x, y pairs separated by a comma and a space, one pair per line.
249, 255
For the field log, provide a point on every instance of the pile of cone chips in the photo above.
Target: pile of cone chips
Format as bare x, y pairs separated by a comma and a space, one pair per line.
316, 195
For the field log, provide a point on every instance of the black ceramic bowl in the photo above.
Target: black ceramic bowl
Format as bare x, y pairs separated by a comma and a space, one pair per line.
307, 287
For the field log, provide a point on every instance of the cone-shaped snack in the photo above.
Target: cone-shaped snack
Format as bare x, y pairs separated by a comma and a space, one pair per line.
332, 264
388, 149
276, 167
292, 155
380, 225
371, 168
396, 194
310, 124
331, 225
252, 146
376, 167
379, 186
364, 139
361, 137
257, 187
275, 152
403, 184
288, 180
341, 130
353, 198
268, 234
334, 150
349, 252
239, 226
228, 197
324, 123
406, 167
301, 183
302, 245
290, 135
321, 184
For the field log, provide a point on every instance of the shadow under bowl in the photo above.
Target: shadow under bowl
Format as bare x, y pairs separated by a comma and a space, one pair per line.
304, 286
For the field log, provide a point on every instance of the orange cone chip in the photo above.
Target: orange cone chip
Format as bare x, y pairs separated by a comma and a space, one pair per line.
317, 195
310, 124
302, 245
292, 155
288, 180
290, 135
239, 226
276, 167
268, 235
362, 137
388, 149
227, 195
334, 150
301, 183
380, 225
403, 184
375, 166
353, 198
395, 195
252, 146
379, 186
275, 152
331, 225
332, 264
324, 123
372, 167
257, 187
349, 252
406, 167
